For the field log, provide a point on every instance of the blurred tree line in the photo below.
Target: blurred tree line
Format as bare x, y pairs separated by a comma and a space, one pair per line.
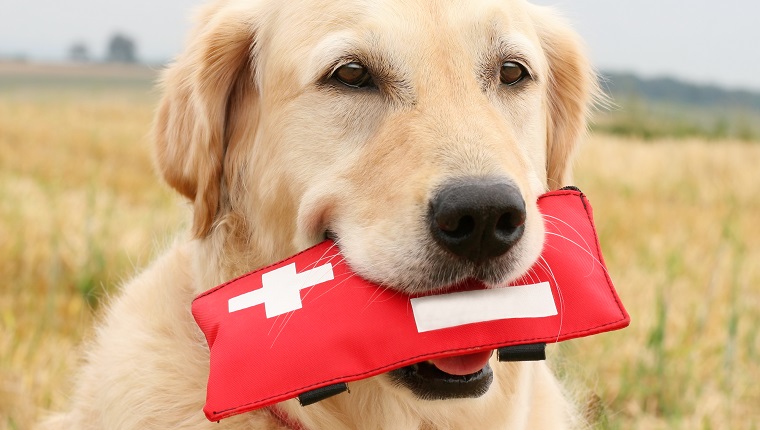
670, 108
120, 49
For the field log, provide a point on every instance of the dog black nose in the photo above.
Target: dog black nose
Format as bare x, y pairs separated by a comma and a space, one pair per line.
477, 218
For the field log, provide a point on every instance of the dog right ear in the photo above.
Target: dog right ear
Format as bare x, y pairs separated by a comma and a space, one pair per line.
191, 129
572, 90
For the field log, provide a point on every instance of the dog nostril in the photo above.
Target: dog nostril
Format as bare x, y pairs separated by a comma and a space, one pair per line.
509, 221
457, 228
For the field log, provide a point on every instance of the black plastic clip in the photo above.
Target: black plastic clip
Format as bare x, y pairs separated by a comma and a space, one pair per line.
313, 396
530, 352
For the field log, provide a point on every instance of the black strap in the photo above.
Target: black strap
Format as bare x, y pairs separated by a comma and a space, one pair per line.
318, 394
530, 352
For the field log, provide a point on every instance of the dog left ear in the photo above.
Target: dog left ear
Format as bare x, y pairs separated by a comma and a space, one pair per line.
192, 127
572, 90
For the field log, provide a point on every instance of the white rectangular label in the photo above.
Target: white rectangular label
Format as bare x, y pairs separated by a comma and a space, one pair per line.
466, 307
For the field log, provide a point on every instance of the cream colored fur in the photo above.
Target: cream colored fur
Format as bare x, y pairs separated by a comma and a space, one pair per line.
271, 155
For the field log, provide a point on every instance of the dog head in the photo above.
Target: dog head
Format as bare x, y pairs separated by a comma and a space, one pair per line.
416, 134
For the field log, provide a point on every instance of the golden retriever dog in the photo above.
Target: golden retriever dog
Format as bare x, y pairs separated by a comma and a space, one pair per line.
415, 133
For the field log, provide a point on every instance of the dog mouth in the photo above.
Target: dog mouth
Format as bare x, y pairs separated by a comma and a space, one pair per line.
457, 377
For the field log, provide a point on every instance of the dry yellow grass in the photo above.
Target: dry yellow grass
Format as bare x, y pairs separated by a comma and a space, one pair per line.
680, 224
81, 209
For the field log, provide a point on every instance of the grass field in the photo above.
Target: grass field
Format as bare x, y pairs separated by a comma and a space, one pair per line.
81, 210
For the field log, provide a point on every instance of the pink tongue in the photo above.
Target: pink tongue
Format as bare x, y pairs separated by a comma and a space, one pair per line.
463, 364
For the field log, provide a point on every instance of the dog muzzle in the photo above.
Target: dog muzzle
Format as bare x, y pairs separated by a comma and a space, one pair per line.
307, 326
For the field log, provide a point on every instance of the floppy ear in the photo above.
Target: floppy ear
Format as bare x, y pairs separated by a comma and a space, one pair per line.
572, 90
192, 127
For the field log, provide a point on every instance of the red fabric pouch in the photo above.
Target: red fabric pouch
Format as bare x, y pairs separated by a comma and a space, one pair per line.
308, 323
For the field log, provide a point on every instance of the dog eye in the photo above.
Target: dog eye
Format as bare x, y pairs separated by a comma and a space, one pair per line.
353, 75
512, 73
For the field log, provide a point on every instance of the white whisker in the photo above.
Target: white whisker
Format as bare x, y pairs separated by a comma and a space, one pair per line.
571, 228
549, 270
594, 258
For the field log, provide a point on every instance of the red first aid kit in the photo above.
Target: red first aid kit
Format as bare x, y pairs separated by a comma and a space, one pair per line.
308, 323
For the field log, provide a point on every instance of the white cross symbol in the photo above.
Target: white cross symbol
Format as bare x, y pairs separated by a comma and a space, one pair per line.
281, 289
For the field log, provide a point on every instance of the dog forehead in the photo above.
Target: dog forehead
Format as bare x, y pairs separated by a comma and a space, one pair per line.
310, 19
303, 34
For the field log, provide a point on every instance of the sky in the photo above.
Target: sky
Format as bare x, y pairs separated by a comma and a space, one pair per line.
703, 41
